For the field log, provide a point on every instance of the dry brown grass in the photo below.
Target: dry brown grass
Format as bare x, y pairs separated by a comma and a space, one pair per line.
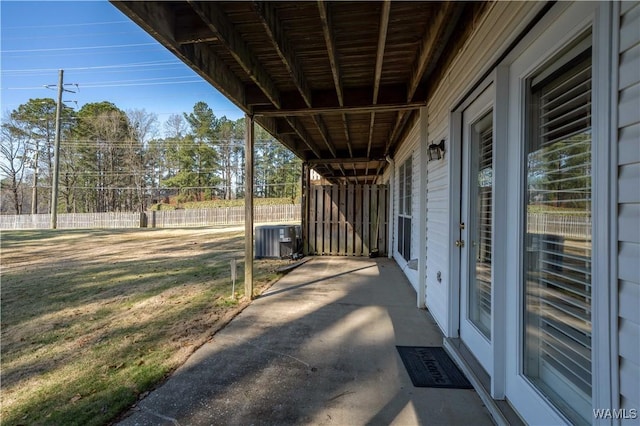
93, 319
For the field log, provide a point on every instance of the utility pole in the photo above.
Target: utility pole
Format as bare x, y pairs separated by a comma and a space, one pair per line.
56, 155
56, 149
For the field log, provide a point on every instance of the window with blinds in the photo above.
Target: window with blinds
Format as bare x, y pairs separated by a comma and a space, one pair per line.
404, 209
557, 252
481, 226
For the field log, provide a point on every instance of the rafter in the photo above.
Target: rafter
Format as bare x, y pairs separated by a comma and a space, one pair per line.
300, 112
302, 133
213, 15
269, 18
215, 18
348, 160
382, 40
428, 45
322, 127
327, 31
426, 52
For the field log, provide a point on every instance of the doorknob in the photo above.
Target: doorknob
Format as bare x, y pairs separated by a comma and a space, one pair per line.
459, 243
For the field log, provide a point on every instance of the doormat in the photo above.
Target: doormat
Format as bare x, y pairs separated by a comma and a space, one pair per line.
431, 367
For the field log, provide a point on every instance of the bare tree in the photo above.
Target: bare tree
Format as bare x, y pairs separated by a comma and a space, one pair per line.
143, 126
13, 152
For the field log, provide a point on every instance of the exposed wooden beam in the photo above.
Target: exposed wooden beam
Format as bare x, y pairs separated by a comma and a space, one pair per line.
404, 106
428, 51
302, 133
382, 40
354, 174
214, 17
429, 45
324, 132
212, 14
268, 15
347, 136
341, 161
158, 19
190, 35
325, 98
327, 31
329, 38
213, 70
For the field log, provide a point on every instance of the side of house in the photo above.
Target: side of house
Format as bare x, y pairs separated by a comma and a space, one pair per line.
525, 236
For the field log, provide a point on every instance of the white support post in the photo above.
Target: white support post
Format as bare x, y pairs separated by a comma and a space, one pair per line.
422, 215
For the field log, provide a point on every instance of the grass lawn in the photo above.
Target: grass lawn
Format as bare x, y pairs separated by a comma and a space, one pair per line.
93, 319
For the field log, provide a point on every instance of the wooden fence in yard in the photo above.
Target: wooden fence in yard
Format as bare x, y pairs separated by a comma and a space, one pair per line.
154, 219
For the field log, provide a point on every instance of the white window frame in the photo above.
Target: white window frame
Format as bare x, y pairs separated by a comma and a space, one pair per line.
404, 208
564, 23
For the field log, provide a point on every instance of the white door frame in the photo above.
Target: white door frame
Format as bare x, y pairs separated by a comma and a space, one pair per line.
479, 344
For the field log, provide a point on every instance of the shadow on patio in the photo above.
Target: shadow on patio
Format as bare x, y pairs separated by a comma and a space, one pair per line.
317, 348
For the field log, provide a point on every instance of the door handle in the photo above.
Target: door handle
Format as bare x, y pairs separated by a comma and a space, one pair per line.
459, 243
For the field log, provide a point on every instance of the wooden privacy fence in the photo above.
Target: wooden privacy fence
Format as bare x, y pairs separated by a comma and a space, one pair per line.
347, 220
156, 219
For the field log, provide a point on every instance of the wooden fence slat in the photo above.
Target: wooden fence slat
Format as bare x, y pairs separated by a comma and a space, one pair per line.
358, 220
366, 220
373, 207
342, 226
382, 236
334, 219
320, 219
350, 216
311, 223
326, 249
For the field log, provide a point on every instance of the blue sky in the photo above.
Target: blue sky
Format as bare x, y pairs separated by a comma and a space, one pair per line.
101, 50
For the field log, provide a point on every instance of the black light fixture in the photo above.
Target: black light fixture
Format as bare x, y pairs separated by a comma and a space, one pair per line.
436, 151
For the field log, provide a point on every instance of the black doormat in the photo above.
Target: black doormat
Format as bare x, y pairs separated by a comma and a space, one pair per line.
431, 367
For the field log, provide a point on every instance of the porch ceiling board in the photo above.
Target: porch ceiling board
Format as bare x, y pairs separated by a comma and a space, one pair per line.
338, 83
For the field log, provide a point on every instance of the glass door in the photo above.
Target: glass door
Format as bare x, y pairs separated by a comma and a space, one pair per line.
476, 229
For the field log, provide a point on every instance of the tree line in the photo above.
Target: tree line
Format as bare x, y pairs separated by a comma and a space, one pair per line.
115, 160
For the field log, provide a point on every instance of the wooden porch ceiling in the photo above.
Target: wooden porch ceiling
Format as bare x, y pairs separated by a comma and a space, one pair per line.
338, 83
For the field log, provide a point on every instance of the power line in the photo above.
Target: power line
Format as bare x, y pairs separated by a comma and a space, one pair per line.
113, 46
83, 35
98, 67
68, 25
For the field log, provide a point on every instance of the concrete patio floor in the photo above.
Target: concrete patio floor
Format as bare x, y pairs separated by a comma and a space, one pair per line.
316, 348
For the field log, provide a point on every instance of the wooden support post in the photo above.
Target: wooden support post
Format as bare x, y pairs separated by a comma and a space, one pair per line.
248, 208
306, 216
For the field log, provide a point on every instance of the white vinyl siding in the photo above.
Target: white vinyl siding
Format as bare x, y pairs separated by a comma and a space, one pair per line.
494, 31
629, 205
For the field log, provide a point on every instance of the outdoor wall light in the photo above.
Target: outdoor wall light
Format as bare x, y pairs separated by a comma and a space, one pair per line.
436, 151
